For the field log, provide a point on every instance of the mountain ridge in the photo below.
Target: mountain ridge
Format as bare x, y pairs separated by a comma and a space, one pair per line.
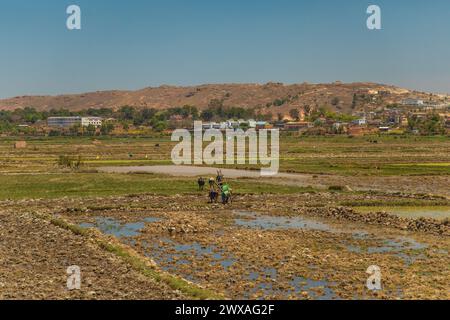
272, 97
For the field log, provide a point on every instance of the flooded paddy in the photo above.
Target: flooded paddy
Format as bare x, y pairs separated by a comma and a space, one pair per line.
267, 222
246, 254
191, 259
434, 212
120, 230
406, 248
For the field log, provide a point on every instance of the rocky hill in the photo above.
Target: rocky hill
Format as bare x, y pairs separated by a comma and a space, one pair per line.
271, 97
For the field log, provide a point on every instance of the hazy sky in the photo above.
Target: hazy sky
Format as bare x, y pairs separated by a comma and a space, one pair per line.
134, 44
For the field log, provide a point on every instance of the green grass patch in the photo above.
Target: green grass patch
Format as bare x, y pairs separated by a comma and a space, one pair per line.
47, 186
389, 156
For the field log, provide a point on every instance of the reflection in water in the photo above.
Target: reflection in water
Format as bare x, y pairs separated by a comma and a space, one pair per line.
262, 281
254, 220
120, 230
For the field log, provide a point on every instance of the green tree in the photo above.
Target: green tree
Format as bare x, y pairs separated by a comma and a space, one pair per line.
295, 114
160, 126
335, 101
207, 115
91, 129
75, 129
106, 128
126, 113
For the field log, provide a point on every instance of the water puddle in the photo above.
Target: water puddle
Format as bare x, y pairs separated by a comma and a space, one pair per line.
178, 258
113, 227
265, 222
407, 249
170, 254
198, 262
316, 289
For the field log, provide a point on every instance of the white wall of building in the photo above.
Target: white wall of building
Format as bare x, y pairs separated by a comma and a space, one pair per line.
94, 121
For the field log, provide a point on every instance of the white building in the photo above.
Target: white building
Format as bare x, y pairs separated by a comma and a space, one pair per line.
232, 124
207, 126
93, 121
251, 123
413, 102
360, 122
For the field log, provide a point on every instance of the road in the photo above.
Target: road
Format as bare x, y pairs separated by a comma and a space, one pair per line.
192, 171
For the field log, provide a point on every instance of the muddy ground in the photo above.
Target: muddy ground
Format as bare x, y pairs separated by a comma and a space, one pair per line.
35, 255
258, 247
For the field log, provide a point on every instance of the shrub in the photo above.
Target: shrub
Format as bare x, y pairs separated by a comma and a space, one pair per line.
70, 162
336, 188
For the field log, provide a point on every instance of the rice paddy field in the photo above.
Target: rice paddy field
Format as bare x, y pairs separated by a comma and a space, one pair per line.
347, 204
371, 156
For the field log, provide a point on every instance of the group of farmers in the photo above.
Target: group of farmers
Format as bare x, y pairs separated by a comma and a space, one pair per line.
217, 187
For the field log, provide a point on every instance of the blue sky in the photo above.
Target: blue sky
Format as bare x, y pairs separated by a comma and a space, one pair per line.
136, 43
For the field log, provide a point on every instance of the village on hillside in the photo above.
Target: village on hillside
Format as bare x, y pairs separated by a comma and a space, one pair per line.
371, 113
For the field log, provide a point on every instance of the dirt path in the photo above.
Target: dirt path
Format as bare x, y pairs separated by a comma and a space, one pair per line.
437, 185
191, 171
35, 255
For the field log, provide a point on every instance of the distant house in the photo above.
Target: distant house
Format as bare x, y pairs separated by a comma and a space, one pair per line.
232, 124
413, 102
243, 122
356, 131
261, 125
384, 93
296, 126
360, 122
91, 121
251, 123
340, 127
20, 145
63, 122
374, 122
279, 125
208, 125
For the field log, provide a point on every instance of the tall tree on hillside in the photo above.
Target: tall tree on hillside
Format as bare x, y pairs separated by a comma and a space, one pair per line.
280, 116
354, 101
307, 109
295, 114
335, 101
207, 115
126, 113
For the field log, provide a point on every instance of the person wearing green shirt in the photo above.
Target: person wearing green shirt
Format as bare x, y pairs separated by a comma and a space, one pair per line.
226, 193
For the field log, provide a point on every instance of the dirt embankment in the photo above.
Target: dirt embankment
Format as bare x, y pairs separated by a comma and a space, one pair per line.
425, 225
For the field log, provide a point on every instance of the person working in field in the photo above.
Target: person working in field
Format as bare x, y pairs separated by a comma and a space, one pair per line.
213, 194
201, 183
219, 177
226, 192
